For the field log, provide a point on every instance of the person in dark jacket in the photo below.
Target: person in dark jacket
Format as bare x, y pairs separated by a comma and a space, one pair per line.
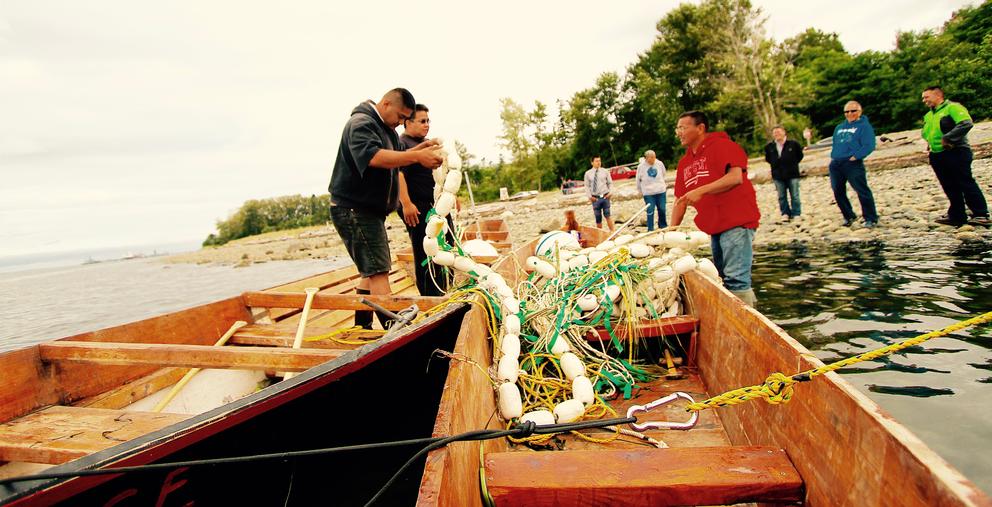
784, 154
945, 129
416, 196
853, 141
364, 186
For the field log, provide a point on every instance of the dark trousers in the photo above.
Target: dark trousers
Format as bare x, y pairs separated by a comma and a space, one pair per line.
953, 170
843, 172
427, 285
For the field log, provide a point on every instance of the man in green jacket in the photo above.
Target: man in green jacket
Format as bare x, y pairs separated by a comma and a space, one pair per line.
945, 129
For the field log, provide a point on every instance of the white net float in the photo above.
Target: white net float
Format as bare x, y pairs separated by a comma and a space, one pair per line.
508, 368
538, 417
571, 365
444, 203
555, 240
509, 345
510, 405
453, 181
569, 410
431, 247
582, 390
444, 259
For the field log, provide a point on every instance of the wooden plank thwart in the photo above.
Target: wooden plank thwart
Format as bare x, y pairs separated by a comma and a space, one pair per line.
649, 328
58, 434
657, 477
337, 301
187, 356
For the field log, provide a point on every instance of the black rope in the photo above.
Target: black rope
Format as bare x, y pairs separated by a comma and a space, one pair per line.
520, 431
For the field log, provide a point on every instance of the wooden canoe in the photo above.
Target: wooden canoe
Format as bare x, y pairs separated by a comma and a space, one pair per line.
831, 446
81, 403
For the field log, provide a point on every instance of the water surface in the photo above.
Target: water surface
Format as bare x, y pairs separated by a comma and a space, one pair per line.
843, 300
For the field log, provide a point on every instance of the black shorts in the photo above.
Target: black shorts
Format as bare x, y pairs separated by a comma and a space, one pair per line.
364, 236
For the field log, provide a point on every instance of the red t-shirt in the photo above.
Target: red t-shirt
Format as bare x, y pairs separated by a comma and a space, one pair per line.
716, 213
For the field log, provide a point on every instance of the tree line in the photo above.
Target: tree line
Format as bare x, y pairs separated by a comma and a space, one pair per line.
713, 56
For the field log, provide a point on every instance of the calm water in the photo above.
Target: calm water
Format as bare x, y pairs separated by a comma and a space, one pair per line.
842, 300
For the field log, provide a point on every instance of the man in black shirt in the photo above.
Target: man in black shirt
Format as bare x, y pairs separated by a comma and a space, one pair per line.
784, 155
416, 195
364, 186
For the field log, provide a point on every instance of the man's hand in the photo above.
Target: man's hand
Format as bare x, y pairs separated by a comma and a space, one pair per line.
592, 199
411, 215
853, 158
606, 196
429, 158
945, 144
691, 197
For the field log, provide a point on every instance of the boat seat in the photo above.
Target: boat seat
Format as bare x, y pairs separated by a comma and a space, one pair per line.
658, 477
58, 434
650, 328
187, 356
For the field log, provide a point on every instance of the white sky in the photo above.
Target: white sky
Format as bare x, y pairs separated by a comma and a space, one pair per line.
134, 122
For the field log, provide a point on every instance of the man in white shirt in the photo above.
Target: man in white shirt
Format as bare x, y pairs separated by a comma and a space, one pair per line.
651, 185
599, 185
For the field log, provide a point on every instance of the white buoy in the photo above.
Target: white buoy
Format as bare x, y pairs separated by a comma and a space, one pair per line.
430, 246
568, 410
454, 159
482, 270
656, 239
511, 305
571, 365
508, 368
555, 239
606, 246
452, 181
509, 345
512, 324
596, 256
444, 203
578, 261
588, 302
676, 239
479, 248
531, 262
582, 390
663, 274
444, 259
560, 346
707, 268
539, 417
623, 239
639, 250
611, 291
510, 405
464, 264
434, 226
699, 238
684, 264
545, 269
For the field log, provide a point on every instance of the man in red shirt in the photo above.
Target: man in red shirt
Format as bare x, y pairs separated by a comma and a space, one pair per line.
712, 177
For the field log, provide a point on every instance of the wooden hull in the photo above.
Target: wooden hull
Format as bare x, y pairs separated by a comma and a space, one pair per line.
385, 390
843, 448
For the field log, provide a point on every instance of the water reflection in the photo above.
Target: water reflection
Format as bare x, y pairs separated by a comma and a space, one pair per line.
842, 300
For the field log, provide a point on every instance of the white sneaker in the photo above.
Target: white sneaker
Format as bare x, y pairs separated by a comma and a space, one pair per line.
783, 219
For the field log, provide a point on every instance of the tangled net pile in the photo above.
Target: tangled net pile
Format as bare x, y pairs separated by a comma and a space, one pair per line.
545, 369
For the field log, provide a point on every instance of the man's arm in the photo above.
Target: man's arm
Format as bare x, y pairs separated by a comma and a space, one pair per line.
391, 159
426, 144
678, 212
768, 153
956, 134
867, 144
588, 185
609, 184
799, 149
734, 177
410, 211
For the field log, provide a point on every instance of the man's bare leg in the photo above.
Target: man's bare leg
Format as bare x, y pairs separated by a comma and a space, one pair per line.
378, 285
363, 318
609, 222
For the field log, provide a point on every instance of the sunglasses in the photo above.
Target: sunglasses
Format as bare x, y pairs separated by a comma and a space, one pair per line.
851, 111
425, 121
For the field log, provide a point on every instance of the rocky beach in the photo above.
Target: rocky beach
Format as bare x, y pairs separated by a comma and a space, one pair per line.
907, 196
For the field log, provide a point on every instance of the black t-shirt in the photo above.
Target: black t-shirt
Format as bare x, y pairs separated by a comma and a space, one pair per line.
419, 179
353, 183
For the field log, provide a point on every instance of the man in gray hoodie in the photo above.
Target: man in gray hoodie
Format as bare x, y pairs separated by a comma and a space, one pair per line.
364, 186
651, 185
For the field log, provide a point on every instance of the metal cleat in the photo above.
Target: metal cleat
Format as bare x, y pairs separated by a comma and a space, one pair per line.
659, 425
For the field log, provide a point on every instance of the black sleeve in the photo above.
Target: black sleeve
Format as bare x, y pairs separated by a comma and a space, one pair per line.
956, 134
363, 143
768, 154
799, 151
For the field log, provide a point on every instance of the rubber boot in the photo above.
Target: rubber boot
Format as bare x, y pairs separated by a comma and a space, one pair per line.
363, 318
747, 296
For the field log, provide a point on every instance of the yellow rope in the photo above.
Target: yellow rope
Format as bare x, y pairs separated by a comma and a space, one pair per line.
364, 335
778, 387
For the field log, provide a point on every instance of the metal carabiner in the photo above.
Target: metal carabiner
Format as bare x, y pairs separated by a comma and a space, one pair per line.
657, 425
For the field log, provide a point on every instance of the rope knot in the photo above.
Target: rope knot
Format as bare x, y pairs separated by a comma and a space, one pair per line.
525, 429
778, 388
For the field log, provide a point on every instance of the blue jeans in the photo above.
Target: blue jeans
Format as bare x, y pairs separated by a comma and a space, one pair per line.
732, 255
656, 201
792, 188
843, 172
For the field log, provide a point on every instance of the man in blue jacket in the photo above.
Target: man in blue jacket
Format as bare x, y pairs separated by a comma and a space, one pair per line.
854, 140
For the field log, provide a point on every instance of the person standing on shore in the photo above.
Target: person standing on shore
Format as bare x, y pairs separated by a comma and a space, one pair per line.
853, 141
416, 196
364, 187
784, 155
651, 185
599, 185
712, 177
945, 129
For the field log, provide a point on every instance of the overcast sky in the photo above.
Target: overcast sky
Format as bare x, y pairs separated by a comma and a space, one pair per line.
133, 122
